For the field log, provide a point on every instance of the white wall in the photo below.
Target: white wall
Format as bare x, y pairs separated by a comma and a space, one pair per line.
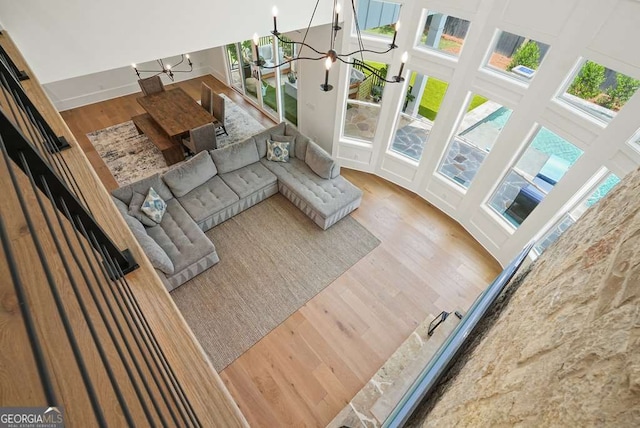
72, 38
219, 67
316, 108
104, 85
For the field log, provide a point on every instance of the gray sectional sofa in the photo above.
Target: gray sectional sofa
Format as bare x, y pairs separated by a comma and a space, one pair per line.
213, 186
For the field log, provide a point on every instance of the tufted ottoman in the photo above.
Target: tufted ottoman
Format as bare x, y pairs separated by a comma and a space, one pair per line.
324, 201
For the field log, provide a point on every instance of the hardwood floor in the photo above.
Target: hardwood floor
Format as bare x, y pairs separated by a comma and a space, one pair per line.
304, 371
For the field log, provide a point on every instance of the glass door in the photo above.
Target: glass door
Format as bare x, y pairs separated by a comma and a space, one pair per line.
289, 81
235, 69
273, 89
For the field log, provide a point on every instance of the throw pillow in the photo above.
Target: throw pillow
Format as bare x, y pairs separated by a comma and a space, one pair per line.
154, 206
320, 162
135, 210
291, 139
277, 151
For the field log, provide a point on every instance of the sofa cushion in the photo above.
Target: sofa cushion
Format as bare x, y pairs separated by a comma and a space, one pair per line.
277, 151
291, 139
153, 206
121, 206
261, 138
135, 210
125, 193
325, 196
191, 174
300, 149
320, 161
207, 199
235, 156
133, 223
157, 256
248, 180
180, 237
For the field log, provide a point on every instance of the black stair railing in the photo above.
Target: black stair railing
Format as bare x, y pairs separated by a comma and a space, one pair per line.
19, 98
6, 59
55, 252
28, 138
25, 156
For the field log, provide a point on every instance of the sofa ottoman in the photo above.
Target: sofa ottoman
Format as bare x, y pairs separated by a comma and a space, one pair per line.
324, 201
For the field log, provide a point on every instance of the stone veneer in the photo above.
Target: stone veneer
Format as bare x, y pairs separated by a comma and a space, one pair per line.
565, 349
377, 399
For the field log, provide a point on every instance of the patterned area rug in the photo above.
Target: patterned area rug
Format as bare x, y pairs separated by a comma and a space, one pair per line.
131, 157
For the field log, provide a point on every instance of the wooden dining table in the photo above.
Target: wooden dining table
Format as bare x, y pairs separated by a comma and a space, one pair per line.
170, 115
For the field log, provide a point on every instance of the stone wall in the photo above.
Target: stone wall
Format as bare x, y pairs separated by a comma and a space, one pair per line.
565, 351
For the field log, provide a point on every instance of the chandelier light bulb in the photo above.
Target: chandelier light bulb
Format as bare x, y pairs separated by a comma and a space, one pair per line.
405, 57
275, 21
168, 66
336, 18
327, 63
134, 65
395, 33
256, 39
187, 56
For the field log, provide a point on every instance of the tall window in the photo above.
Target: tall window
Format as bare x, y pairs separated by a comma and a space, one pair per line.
516, 56
377, 18
419, 110
235, 66
260, 84
538, 170
634, 142
363, 101
477, 132
289, 81
599, 91
444, 33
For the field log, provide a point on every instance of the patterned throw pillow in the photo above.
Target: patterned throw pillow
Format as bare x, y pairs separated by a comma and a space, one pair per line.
277, 151
154, 206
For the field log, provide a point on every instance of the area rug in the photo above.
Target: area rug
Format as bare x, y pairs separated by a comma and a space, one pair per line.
273, 259
131, 157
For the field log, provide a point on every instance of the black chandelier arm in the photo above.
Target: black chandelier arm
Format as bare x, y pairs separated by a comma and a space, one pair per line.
292, 42
164, 68
370, 69
391, 47
271, 67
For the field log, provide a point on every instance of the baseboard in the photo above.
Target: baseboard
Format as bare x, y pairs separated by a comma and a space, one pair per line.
110, 93
221, 77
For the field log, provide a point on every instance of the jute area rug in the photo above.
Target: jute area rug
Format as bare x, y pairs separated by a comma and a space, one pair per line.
273, 259
131, 157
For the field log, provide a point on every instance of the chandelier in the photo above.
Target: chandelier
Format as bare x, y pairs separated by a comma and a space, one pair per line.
167, 69
331, 55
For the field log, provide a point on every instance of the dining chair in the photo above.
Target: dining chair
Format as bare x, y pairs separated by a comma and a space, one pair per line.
219, 112
151, 85
206, 98
201, 138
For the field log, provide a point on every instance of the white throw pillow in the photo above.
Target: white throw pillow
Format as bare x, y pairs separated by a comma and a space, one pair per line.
153, 206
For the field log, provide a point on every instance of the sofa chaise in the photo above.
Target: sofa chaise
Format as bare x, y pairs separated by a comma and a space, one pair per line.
215, 185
